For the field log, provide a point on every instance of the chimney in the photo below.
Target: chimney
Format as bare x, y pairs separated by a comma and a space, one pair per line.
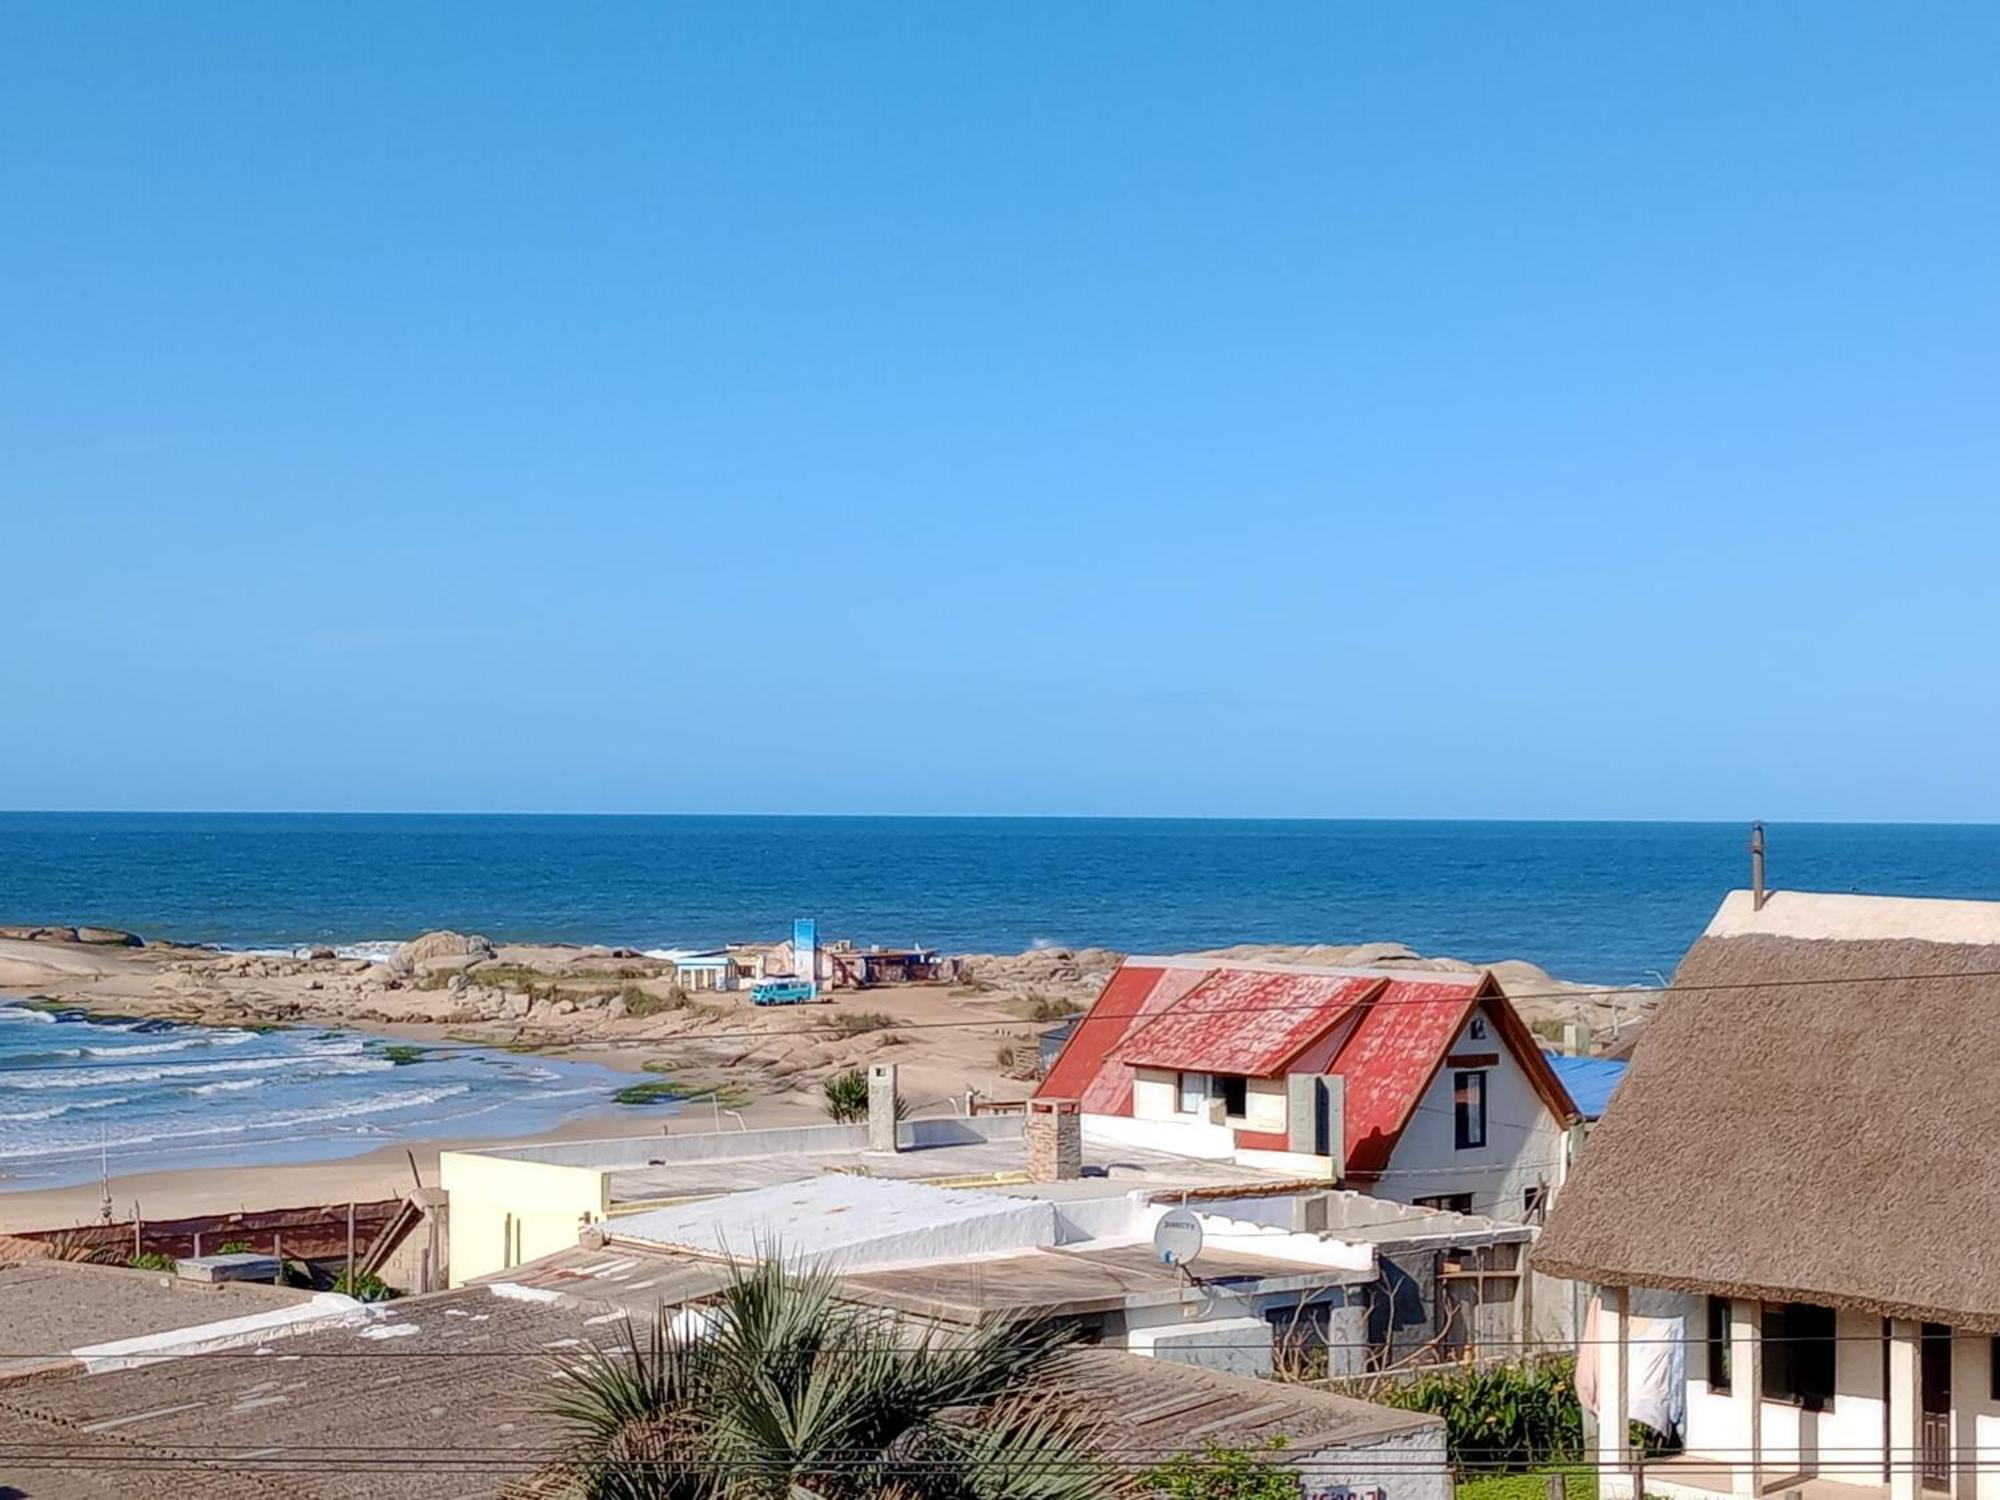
882, 1108
1315, 1116
1054, 1133
1756, 866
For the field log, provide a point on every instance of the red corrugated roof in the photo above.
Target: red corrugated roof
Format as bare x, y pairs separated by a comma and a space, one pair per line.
1248, 1021
1084, 1069
1389, 1059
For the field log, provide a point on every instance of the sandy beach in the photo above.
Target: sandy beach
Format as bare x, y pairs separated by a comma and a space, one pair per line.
734, 1064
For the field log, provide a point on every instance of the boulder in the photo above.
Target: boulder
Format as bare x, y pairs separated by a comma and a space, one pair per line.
435, 945
109, 937
321, 955
34, 933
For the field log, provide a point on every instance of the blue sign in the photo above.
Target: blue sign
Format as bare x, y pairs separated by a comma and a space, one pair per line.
805, 951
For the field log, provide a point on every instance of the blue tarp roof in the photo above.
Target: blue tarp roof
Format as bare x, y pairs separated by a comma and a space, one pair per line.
1591, 1081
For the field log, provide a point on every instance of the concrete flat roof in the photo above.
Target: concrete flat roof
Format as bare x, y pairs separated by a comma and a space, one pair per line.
326, 1415
304, 1418
50, 1307
1155, 1408
1073, 1281
997, 1163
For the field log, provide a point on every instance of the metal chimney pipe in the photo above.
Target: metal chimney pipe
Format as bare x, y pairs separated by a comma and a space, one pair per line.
1756, 866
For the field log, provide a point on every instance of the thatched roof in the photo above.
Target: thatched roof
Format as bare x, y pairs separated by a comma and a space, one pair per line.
1796, 1127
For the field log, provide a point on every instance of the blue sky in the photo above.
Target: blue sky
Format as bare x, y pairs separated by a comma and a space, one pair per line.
1297, 410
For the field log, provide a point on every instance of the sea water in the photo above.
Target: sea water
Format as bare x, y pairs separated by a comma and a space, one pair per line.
1614, 903
79, 1096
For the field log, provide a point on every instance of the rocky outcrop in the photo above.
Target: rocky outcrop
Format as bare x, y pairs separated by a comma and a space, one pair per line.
39, 934
436, 945
109, 937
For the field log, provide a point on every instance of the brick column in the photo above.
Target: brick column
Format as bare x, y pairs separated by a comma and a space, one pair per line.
1054, 1136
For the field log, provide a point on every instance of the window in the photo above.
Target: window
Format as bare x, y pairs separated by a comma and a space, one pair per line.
1194, 1093
1535, 1205
1235, 1094
1993, 1376
1718, 1345
1468, 1109
1798, 1354
1455, 1203
1196, 1089
1477, 1031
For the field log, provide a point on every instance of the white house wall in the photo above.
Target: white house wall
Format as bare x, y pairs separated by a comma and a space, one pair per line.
1977, 1436
1525, 1144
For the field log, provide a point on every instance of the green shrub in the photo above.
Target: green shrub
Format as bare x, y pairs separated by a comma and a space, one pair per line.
1222, 1474
152, 1260
1499, 1419
653, 1091
1579, 1483
847, 1097
367, 1287
643, 1002
1035, 1006
858, 1022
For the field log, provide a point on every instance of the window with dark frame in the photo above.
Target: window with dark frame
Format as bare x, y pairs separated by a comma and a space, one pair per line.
1993, 1352
1235, 1095
1535, 1205
1468, 1110
1798, 1354
1718, 1345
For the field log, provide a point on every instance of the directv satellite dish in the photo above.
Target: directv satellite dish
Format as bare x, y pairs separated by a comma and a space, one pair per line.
1177, 1237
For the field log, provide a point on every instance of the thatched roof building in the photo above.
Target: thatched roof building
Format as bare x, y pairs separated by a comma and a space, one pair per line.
1812, 1116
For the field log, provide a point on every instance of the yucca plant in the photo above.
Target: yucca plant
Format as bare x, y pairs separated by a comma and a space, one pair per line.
785, 1393
847, 1097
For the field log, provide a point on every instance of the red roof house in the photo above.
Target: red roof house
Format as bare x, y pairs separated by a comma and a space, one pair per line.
1442, 1091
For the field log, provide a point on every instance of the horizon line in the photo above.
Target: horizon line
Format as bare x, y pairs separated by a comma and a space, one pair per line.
966, 817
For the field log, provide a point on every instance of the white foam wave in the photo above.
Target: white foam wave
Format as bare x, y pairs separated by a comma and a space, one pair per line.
321, 1066
229, 1088
14, 1010
143, 1049
373, 1105
63, 1109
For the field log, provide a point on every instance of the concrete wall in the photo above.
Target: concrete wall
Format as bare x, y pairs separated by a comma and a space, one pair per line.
1235, 1346
1264, 1105
506, 1212
1183, 1136
1404, 1466
1525, 1145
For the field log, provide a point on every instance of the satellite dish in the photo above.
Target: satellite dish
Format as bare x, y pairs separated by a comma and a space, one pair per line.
1177, 1237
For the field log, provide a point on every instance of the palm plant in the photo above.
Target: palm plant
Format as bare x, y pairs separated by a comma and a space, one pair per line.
785, 1393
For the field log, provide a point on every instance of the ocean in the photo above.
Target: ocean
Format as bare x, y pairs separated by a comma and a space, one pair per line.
1613, 903
79, 1096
